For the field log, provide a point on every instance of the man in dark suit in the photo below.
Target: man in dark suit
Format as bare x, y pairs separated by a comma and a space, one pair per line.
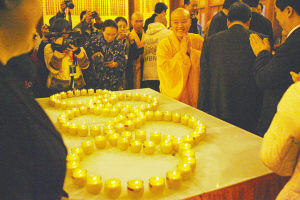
192, 7
258, 22
227, 88
219, 21
272, 74
160, 9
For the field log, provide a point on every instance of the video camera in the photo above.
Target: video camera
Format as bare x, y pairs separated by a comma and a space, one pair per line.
74, 38
69, 4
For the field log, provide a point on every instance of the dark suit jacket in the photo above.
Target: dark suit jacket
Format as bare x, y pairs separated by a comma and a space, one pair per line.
149, 21
32, 153
227, 88
272, 75
217, 24
262, 25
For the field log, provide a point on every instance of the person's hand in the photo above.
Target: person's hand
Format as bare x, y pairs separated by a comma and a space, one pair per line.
72, 48
112, 64
258, 45
295, 76
63, 7
88, 17
59, 41
97, 54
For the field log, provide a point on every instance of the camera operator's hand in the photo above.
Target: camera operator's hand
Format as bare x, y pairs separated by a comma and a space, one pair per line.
63, 7
112, 64
72, 48
59, 41
88, 17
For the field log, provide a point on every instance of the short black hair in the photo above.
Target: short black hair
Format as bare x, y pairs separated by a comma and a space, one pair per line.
121, 19
160, 7
282, 4
187, 2
228, 3
109, 23
251, 3
60, 24
239, 12
82, 14
262, 5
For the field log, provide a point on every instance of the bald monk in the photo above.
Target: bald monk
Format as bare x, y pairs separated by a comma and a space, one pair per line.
137, 34
178, 60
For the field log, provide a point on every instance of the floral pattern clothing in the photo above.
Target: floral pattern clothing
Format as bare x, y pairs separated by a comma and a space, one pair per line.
99, 75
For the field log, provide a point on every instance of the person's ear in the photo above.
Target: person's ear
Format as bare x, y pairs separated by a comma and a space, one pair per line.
289, 11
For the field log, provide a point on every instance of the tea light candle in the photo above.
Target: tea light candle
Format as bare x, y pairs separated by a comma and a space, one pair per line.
188, 139
88, 147
176, 117
123, 144
140, 135
94, 184
114, 112
129, 125
137, 123
61, 121
83, 130
83, 110
121, 96
95, 130
184, 119
168, 137
135, 146
185, 170
166, 147
70, 114
100, 141
113, 139
91, 92
197, 136
192, 121
76, 112
174, 179
127, 134
176, 142
167, 116
136, 97
112, 188
73, 129
65, 127
57, 104
183, 147
73, 157
191, 161
155, 105
149, 147
71, 166
79, 151
144, 97
98, 92
135, 188
63, 105
79, 177
155, 137
158, 115
77, 93
128, 96
70, 94
156, 185
188, 153
63, 95
120, 127
124, 110
97, 110
121, 118
105, 112
83, 92
200, 128
149, 107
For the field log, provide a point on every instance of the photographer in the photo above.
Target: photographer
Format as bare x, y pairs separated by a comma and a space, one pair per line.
64, 4
87, 26
59, 60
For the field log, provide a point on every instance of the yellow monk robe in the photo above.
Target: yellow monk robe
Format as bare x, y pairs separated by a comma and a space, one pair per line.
137, 62
179, 73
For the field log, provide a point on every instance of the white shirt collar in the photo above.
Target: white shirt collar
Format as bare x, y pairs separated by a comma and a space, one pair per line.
293, 30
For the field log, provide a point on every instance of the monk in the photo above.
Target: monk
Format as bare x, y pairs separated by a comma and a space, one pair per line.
178, 60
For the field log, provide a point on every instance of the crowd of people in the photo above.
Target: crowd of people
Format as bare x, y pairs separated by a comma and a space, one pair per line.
233, 72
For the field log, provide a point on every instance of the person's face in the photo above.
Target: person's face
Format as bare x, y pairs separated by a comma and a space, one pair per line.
163, 13
122, 27
180, 24
110, 34
193, 7
282, 17
137, 22
259, 9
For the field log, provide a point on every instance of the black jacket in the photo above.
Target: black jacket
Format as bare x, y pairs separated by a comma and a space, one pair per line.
217, 24
272, 75
32, 153
227, 88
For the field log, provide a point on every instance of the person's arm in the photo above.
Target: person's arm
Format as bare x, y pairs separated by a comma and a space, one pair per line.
280, 146
120, 59
53, 59
82, 59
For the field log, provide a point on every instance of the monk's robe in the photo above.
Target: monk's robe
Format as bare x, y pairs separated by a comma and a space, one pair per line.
179, 72
137, 63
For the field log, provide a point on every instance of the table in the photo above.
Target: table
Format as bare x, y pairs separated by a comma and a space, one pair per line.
228, 164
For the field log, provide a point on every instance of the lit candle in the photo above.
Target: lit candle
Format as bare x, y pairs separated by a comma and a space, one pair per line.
158, 115
114, 112
149, 147
70, 105
83, 130
121, 118
123, 143
155, 137
192, 121
63, 95
183, 147
94, 184
121, 96
61, 121
97, 110
73, 129
79, 177
124, 110
95, 130
149, 107
91, 92
200, 128
142, 108
77, 93
83, 92
127, 134
70, 94
76, 112
191, 161
128, 96
131, 116
71, 166
100, 141
174, 179
83, 110
135, 146
135, 188
112, 188
73, 157
65, 127
120, 127
113, 139
136, 97
98, 91
176, 117
79, 151
184, 119
168, 137
63, 105
167, 116
52, 100
188, 139
156, 185
57, 104
138, 122
176, 142
185, 170
197, 136
188, 153
88, 147
129, 125
140, 135
105, 112
144, 97
166, 147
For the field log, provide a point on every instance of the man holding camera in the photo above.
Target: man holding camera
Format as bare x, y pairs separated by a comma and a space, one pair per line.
64, 59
